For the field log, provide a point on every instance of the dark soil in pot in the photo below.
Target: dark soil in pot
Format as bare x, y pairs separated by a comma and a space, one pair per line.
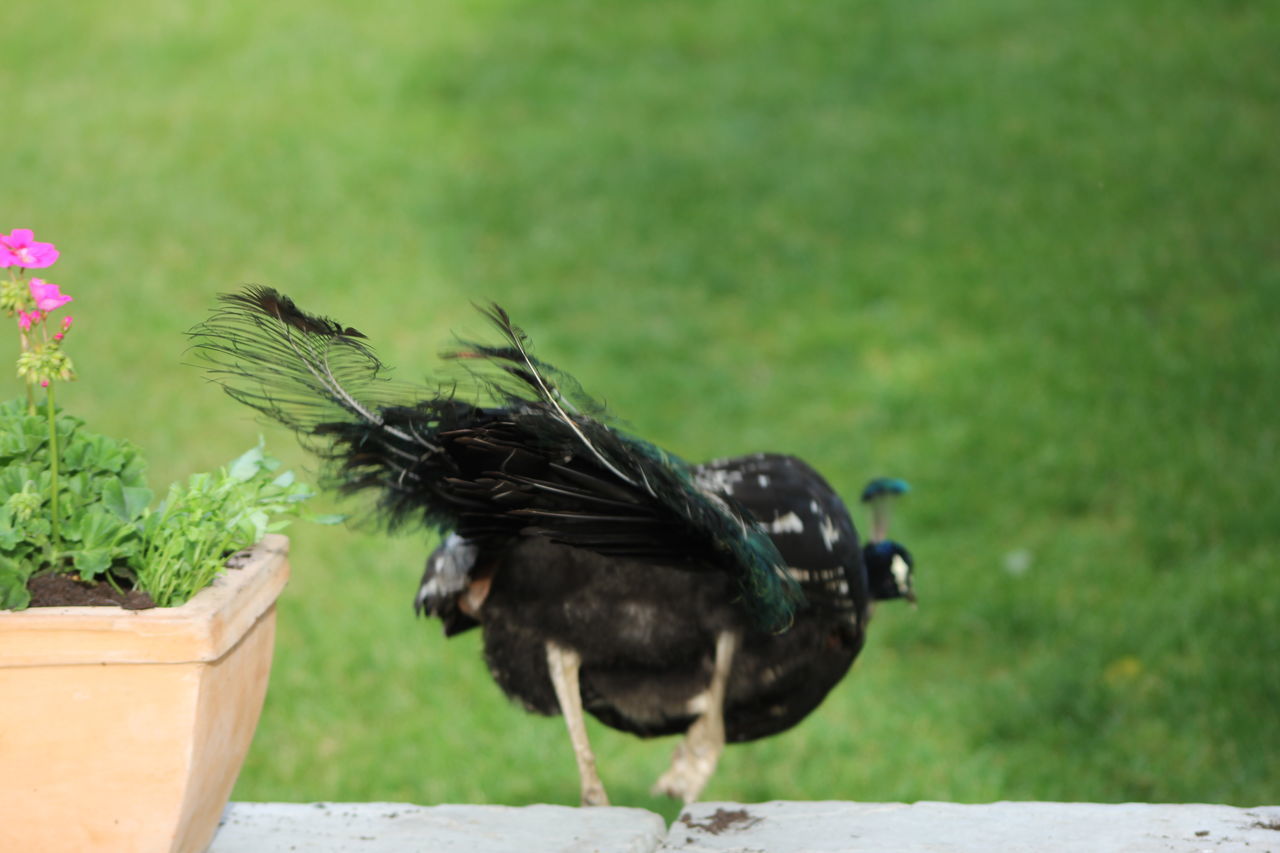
66, 591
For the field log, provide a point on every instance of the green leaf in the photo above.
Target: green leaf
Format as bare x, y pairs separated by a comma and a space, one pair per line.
36, 531
247, 465
18, 442
99, 528
128, 503
136, 500
13, 584
14, 479
93, 562
259, 520
107, 454
113, 499
9, 535
134, 473
200, 482
76, 486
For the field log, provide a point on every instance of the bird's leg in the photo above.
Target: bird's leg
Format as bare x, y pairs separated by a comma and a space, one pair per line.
564, 665
696, 757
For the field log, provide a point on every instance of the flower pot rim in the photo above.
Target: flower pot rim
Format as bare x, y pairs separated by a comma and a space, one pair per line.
203, 629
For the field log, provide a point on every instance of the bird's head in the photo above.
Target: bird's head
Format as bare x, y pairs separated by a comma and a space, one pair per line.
889, 565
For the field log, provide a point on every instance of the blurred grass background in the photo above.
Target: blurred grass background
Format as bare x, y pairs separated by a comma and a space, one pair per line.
1024, 255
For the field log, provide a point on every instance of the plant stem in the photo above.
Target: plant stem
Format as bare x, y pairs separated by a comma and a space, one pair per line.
31, 384
54, 543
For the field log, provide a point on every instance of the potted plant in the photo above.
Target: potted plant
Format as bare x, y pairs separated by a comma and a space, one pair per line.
132, 667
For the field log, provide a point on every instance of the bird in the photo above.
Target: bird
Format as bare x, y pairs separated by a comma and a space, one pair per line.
721, 601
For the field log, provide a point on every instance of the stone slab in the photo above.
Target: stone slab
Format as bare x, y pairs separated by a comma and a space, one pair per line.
837, 827
397, 828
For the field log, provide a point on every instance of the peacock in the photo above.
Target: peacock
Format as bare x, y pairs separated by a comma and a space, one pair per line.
720, 600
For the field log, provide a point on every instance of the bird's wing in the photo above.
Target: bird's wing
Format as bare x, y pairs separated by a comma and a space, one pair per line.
558, 465
806, 519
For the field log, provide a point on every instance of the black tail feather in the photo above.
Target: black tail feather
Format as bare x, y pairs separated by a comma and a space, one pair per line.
542, 460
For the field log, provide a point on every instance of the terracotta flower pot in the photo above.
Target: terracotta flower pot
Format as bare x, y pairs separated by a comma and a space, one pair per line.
125, 730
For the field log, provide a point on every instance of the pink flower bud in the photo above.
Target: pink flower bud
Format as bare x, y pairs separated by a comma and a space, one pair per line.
27, 319
44, 383
66, 323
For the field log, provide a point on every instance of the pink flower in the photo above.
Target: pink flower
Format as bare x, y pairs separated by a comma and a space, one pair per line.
47, 296
27, 319
20, 249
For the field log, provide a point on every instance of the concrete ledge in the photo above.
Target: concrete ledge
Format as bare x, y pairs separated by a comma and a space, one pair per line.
1043, 827
778, 827
397, 828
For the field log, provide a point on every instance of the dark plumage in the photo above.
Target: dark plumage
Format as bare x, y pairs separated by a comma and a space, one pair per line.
722, 600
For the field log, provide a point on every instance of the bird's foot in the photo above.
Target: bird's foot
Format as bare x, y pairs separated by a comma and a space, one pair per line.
564, 666
692, 764
594, 795
696, 757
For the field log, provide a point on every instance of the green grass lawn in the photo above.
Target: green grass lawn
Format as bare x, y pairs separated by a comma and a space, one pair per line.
1026, 256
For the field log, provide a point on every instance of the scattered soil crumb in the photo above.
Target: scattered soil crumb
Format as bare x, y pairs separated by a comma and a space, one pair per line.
1271, 824
240, 559
1202, 833
723, 820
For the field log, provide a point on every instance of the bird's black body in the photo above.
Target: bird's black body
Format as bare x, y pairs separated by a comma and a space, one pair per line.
667, 593
648, 631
